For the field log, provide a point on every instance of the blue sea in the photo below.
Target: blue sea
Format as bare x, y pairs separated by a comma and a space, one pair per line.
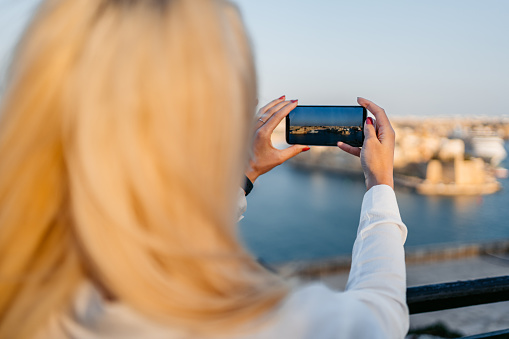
296, 214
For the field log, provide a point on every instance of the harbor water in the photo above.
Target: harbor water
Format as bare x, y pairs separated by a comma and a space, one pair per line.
296, 214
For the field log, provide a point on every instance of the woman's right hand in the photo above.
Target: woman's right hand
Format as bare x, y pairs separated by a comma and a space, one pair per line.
377, 152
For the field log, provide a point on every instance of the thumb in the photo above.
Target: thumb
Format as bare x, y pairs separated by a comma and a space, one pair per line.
292, 151
369, 129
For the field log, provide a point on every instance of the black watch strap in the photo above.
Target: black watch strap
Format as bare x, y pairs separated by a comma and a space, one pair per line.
248, 185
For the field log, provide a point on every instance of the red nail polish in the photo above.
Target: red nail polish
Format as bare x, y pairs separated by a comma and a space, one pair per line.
294, 100
282, 97
306, 149
369, 121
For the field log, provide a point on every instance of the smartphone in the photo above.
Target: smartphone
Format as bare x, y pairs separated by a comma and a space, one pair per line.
326, 125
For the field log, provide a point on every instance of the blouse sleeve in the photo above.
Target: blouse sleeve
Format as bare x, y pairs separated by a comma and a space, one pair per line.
241, 204
377, 276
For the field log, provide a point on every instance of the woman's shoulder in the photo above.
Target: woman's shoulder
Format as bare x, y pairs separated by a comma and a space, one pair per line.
316, 311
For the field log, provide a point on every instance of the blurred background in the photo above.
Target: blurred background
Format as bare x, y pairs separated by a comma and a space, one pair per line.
440, 70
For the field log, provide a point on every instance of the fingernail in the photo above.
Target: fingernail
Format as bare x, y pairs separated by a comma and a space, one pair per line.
282, 97
294, 100
369, 121
306, 149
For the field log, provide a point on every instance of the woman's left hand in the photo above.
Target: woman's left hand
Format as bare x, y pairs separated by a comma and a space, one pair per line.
265, 156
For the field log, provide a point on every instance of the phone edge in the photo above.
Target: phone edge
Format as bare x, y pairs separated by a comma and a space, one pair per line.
364, 117
287, 129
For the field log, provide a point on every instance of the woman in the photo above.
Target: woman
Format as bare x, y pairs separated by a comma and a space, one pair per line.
124, 134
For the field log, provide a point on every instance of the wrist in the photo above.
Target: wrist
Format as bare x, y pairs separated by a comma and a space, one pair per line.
388, 180
252, 174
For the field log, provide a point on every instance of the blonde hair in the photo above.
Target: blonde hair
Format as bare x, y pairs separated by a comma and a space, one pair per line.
123, 139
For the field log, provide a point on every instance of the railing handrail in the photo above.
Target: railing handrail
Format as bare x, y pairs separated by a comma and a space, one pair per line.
502, 334
445, 296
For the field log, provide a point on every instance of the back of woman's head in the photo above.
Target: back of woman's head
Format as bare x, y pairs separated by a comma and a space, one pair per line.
124, 130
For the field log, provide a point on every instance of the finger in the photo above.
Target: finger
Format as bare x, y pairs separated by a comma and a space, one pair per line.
274, 109
267, 115
350, 149
270, 105
276, 118
369, 129
292, 151
377, 111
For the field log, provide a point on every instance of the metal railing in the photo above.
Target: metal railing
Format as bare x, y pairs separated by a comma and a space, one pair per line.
445, 296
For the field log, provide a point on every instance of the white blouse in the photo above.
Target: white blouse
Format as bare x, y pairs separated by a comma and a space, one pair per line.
372, 306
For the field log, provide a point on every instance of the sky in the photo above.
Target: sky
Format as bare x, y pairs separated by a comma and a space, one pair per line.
411, 57
14, 15
326, 116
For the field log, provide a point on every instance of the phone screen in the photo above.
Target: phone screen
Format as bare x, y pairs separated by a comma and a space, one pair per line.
326, 125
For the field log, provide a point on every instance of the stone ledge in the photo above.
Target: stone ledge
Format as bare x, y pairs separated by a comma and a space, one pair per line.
313, 269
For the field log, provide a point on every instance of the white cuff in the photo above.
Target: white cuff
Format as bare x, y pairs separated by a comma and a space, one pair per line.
380, 206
